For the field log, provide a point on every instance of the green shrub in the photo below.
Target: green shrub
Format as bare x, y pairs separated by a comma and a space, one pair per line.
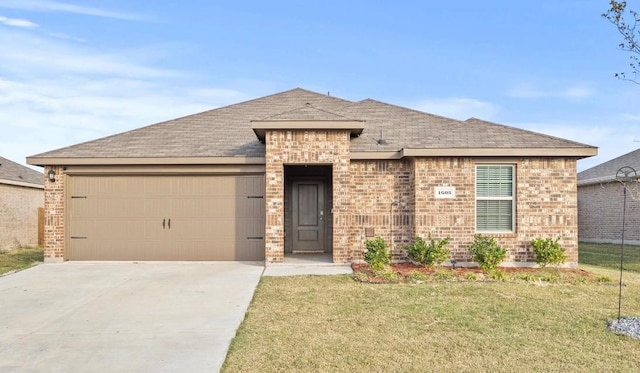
443, 274
550, 278
389, 275
527, 277
580, 280
470, 276
430, 252
486, 252
417, 276
548, 251
496, 274
377, 255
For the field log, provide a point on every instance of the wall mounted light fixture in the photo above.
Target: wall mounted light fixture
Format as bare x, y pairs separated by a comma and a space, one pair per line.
52, 175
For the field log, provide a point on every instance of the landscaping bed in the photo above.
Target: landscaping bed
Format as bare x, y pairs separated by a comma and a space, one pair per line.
412, 273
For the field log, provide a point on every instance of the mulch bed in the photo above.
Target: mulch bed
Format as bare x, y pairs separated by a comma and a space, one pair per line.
405, 272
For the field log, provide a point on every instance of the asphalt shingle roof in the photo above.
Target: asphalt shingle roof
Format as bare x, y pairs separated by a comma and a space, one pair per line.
607, 171
307, 112
226, 131
13, 171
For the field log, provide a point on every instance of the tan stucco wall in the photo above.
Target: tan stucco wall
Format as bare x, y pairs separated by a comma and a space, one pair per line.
19, 215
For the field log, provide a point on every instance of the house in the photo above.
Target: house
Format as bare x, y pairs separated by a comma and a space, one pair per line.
601, 200
300, 172
21, 194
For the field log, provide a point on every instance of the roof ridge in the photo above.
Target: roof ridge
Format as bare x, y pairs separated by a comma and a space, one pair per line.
226, 131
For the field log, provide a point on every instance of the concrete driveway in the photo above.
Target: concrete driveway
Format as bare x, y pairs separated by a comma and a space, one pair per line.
124, 317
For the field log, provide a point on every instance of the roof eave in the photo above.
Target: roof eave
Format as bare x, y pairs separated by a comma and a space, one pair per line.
604, 180
82, 161
243, 160
577, 152
21, 183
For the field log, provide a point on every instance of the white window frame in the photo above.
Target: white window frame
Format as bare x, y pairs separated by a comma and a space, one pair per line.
512, 198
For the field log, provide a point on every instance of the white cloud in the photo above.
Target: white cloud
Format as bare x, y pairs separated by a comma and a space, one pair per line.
39, 116
458, 108
574, 92
29, 54
17, 22
55, 93
56, 6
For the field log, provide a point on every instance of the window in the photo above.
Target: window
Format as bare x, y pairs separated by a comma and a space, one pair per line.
495, 207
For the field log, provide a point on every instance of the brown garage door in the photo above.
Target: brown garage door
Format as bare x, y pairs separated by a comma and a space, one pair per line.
165, 217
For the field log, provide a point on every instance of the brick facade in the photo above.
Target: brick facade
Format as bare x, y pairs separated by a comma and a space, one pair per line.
374, 187
19, 215
54, 228
600, 208
393, 199
455, 217
321, 147
546, 204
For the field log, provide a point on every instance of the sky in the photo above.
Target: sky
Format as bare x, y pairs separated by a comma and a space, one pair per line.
74, 71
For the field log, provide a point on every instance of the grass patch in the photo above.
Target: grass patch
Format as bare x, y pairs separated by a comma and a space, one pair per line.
333, 323
20, 258
608, 255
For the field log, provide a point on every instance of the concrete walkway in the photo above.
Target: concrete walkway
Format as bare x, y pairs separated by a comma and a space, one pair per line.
123, 317
296, 265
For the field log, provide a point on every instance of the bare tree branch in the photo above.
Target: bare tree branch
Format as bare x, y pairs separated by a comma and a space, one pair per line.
627, 23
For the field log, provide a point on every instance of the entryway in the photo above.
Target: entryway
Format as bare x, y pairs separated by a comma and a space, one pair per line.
308, 218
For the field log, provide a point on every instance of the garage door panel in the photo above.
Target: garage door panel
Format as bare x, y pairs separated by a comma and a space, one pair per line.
121, 218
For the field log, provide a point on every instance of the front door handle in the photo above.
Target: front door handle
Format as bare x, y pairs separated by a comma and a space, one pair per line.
321, 215
169, 223
163, 222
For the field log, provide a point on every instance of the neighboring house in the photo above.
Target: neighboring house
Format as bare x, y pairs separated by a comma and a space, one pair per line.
21, 194
302, 172
601, 200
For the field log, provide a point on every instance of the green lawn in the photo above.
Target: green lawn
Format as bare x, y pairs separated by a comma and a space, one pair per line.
20, 258
333, 323
608, 255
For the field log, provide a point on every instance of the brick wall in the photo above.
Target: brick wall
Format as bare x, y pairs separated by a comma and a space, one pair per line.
326, 147
546, 204
19, 215
600, 209
54, 217
374, 186
444, 217
363, 192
